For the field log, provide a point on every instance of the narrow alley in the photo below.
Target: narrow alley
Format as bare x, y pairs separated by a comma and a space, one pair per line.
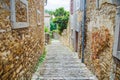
62, 63
59, 39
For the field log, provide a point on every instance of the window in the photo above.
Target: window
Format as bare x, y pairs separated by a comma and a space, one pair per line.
116, 48
19, 14
38, 17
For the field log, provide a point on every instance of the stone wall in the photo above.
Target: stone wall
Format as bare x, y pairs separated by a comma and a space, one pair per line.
99, 38
65, 38
116, 69
20, 48
47, 38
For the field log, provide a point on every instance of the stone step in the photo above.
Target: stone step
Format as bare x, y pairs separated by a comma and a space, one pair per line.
65, 61
71, 72
62, 64
66, 78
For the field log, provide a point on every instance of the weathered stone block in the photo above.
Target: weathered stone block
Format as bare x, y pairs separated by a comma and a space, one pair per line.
105, 16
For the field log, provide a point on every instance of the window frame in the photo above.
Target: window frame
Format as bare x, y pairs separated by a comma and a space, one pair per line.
116, 53
17, 25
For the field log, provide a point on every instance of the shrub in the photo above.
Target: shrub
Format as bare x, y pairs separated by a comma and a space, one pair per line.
46, 29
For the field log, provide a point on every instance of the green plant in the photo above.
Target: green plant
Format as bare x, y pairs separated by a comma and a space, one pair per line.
46, 29
51, 34
41, 59
49, 12
53, 26
55, 31
61, 19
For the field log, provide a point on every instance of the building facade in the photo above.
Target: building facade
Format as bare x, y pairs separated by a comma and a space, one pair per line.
47, 18
97, 40
21, 37
75, 22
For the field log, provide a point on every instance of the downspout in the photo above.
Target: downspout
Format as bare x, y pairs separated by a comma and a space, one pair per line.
83, 29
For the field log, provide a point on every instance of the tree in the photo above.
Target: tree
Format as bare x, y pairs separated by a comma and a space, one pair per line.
49, 12
52, 26
61, 18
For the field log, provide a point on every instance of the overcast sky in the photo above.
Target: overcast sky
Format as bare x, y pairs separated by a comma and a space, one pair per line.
54, 4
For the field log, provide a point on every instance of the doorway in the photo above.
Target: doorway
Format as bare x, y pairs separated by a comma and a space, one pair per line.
76, 41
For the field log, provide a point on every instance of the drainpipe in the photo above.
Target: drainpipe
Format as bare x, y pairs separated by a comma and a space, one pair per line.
83, 29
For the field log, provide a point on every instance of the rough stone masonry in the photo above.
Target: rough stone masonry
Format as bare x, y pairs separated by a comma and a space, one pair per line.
20, 48
99, 39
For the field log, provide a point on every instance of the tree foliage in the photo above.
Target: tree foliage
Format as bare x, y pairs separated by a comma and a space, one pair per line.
61, 18
46, 29
53, 26
49, 12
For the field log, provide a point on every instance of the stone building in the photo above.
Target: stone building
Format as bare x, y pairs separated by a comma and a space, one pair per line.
47, 18
97, 40
21, 37
76, 17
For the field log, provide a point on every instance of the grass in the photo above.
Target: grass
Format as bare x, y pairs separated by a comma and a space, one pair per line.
41, 60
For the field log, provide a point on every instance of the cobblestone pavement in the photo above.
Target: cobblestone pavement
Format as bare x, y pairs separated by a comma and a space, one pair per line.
62, 64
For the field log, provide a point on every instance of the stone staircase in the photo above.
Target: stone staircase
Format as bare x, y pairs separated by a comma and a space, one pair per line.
62, 64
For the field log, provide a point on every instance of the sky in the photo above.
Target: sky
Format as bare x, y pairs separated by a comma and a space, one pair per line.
54, 4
